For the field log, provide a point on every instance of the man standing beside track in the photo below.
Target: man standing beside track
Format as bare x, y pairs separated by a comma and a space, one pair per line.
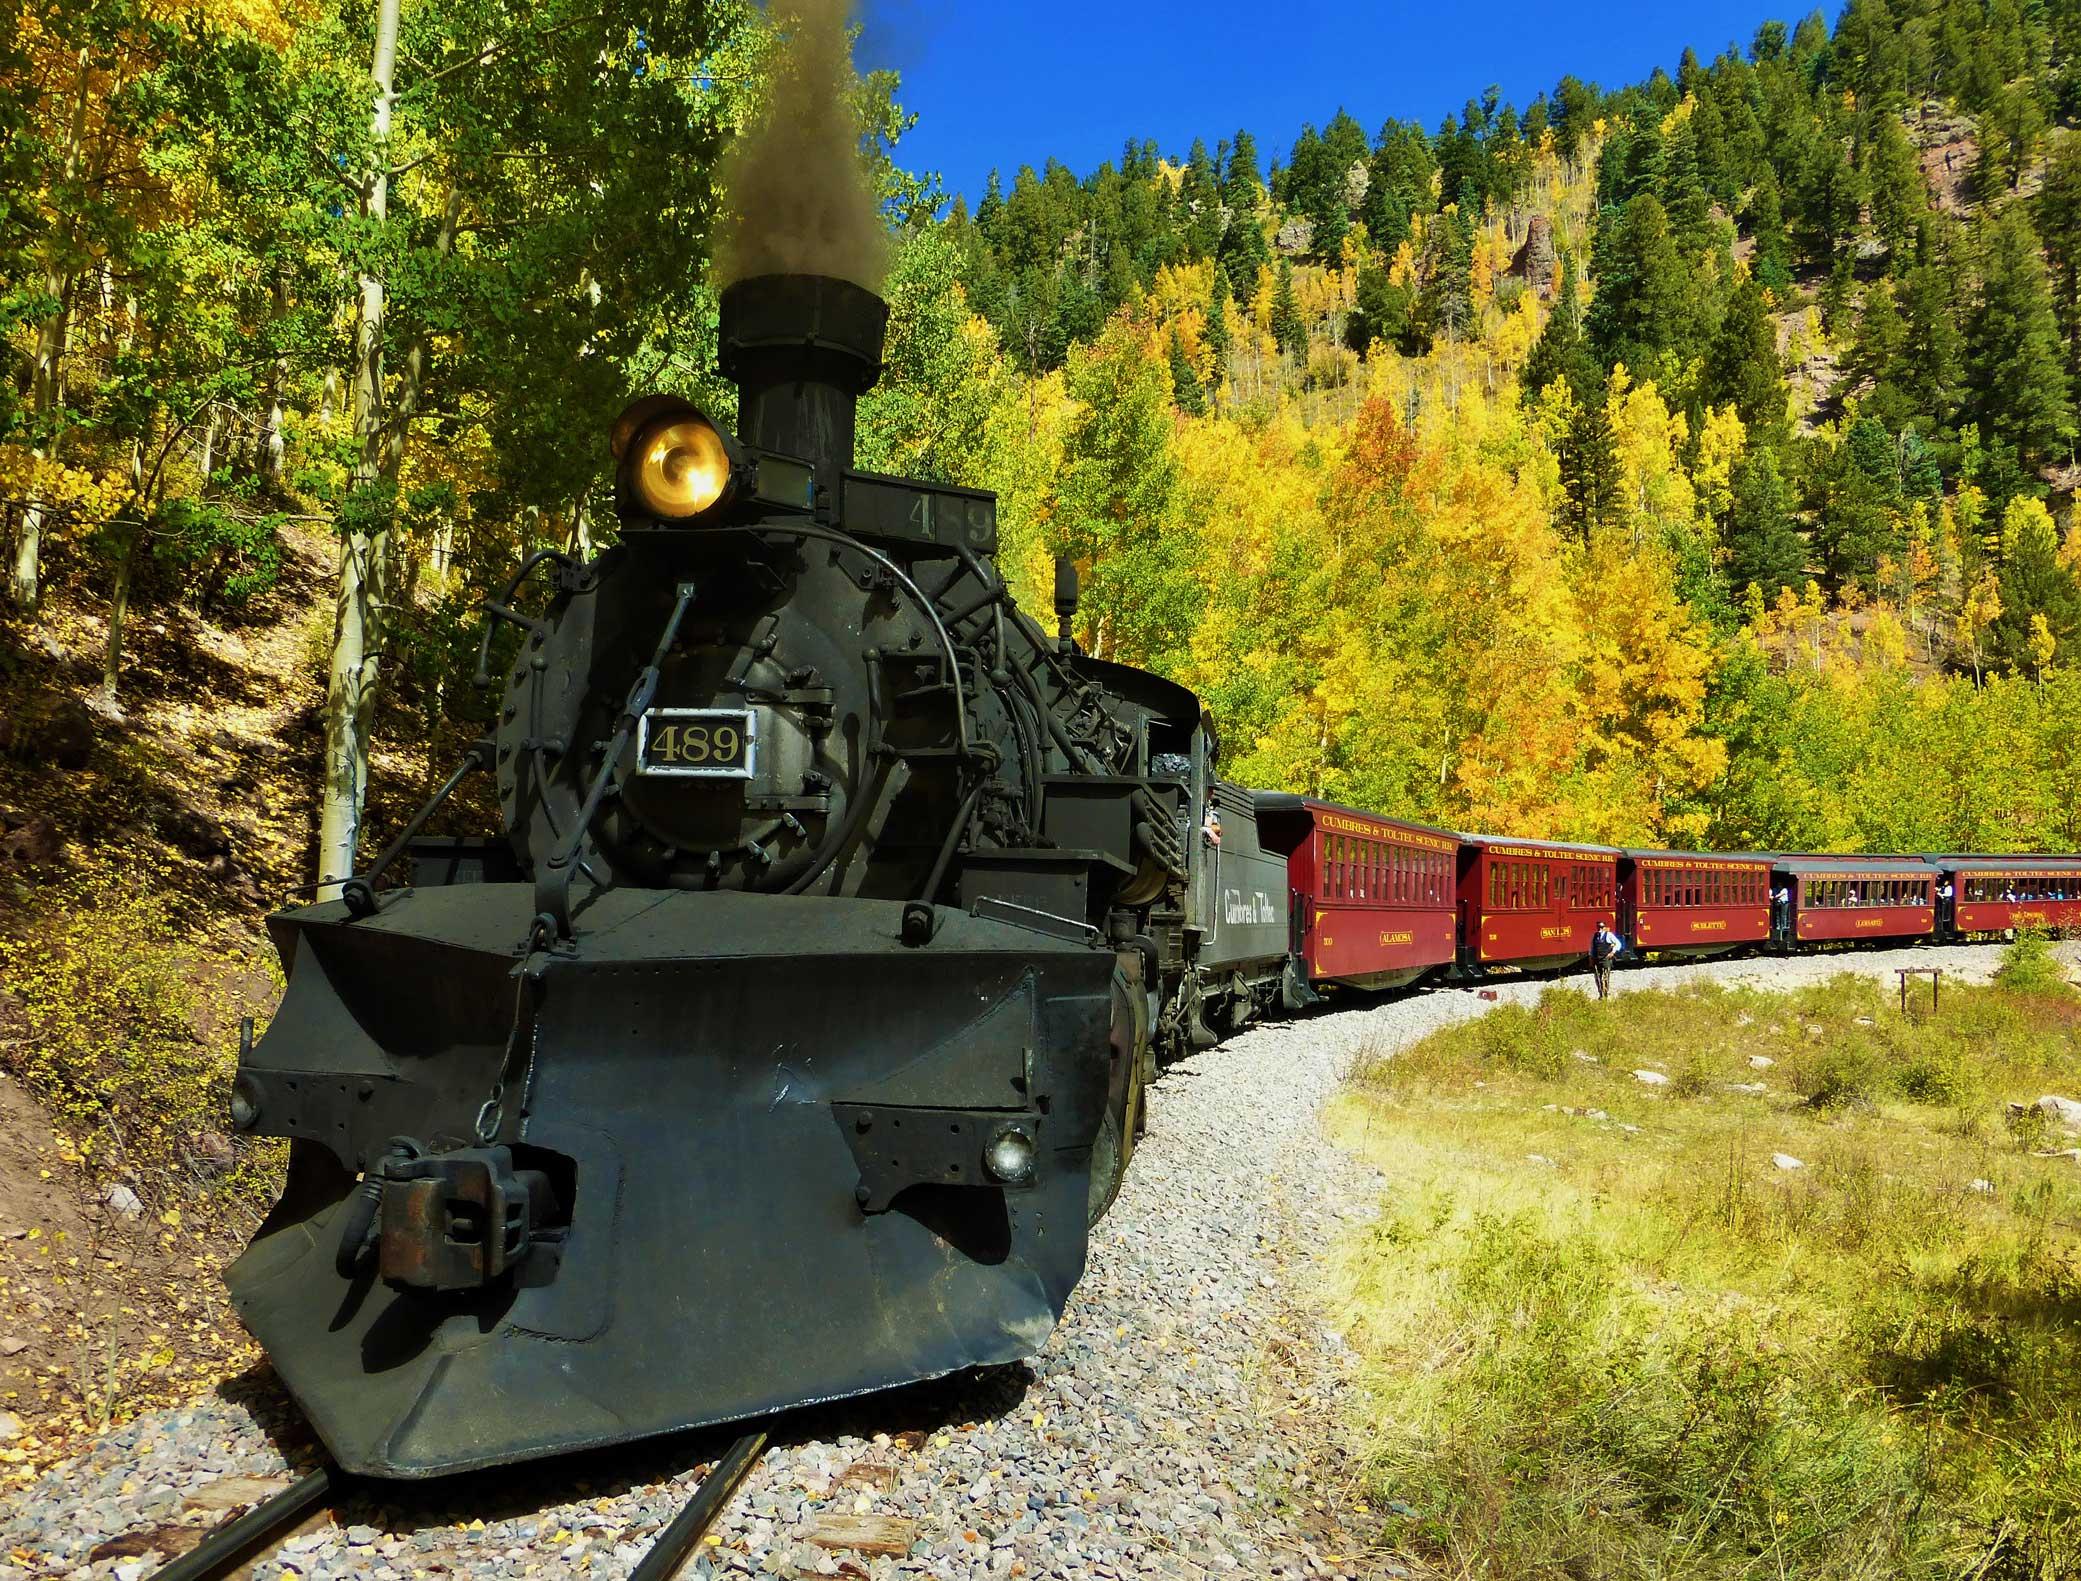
1604, 948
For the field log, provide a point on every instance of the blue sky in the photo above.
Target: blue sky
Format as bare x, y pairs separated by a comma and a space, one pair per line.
996, 83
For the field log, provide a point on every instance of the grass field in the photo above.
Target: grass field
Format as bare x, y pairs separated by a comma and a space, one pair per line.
1612, 1328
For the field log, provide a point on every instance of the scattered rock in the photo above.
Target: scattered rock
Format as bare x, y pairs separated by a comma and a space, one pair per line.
1295, 236
1586, 1057
120, 1200
189, 832
1760, 1062
28, 839
1787, 1161
1979, 1185
1651, 1078
1814, 1029
1537, 1158
1866, 1021
2063, 1112
1750, 1087
10, 1426
212, 1151
48, 727
13, 1345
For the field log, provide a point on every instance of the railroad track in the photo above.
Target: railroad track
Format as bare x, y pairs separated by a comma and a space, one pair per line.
250, 1535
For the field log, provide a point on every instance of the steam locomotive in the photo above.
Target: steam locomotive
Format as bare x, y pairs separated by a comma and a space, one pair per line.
792, 1034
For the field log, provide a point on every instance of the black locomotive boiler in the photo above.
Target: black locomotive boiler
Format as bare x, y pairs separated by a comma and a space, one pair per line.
793, 1032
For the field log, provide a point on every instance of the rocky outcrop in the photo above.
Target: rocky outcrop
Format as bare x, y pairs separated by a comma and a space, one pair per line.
1536, 262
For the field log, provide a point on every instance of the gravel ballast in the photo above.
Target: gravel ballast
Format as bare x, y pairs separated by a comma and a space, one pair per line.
1184, 1421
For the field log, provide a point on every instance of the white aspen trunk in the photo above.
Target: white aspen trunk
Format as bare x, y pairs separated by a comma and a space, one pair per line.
118, 613
126, 560
350, 686
580, 543
46, 375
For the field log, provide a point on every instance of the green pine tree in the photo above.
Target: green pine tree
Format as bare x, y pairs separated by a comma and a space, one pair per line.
1220, 343
1186, 390
1828, 200
2033, 582
1742, 366
2059, 224
1289, 329
1591, 482
1445, 306
1561, 354
1766, 216
1380, 313
1876, 357
1899, 191
2014, 354
1932, 358
1764, 546
1644, 301
1684, 194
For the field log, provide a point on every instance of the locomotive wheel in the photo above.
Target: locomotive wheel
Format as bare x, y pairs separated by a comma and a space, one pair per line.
1113, 1147
1122, 1122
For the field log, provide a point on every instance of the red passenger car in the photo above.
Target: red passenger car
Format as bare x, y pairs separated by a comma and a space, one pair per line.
1532, 903
1996, 893
1857, 897
1692, 903
1372, 896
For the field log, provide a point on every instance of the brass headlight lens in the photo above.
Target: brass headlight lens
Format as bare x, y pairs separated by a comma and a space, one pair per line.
682, 468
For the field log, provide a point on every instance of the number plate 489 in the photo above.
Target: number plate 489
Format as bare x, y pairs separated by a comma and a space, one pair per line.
711, 743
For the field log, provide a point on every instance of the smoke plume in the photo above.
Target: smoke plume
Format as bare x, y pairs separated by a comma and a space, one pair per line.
796, 192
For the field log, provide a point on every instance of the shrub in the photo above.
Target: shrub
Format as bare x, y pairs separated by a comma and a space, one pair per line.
119, 1043
2029, 966
1941, 1076
1843, 1075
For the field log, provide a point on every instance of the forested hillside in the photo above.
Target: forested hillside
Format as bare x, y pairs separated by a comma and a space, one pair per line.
1689, 462
1686, 462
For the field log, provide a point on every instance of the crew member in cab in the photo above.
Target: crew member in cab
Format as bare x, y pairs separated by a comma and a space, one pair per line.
1604, 948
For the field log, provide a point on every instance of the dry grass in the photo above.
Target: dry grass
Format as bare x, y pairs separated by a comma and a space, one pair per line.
1610, 1336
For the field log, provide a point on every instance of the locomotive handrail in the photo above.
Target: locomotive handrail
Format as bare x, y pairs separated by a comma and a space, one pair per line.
553, 883
499, 608
845, 540
359, 891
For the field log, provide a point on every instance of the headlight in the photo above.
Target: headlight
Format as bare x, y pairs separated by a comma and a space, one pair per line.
673, 463
1010, 1155
682, 468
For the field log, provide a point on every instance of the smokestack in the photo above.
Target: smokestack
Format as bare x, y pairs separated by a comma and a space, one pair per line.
798, 197
802, 349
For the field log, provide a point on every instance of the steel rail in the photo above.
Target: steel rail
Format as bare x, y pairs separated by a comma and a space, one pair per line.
676, 1541
240, 1540
233, 1543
